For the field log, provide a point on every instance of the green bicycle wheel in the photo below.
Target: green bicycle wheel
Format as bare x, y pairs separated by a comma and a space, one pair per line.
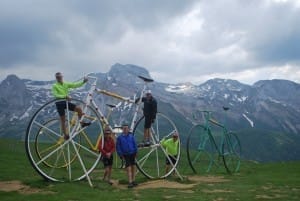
231, 152
200, 149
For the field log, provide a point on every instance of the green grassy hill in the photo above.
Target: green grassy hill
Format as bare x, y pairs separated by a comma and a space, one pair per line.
276, 181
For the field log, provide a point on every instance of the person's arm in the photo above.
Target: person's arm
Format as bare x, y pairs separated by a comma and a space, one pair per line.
57, 93
177, 146
135, 145
75, 84
118, 147
102, 151
154, 108
163, 142
113, 146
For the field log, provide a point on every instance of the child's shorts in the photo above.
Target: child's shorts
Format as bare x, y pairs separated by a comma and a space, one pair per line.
129, 160
107, 161
172, 158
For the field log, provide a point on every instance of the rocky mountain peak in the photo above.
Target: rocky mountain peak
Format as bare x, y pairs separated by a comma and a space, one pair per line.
14, 92
278, 90
127, 69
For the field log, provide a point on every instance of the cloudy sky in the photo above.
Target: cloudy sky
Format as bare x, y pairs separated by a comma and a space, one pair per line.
176, 40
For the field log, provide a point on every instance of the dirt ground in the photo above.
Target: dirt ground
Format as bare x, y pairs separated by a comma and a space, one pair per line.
163, 183
18, 186
8, 186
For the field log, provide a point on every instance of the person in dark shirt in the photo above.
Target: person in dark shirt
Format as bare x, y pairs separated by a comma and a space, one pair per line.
150, 110
127, 150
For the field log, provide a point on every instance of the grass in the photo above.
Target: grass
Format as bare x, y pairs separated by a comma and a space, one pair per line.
276, 181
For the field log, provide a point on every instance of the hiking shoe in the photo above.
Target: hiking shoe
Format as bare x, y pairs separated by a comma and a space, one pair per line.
145, 144
130, 185
134, 183
66, 137
85, 124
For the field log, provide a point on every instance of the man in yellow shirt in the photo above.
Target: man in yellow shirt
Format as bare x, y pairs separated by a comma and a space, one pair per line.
60, 90
171, 145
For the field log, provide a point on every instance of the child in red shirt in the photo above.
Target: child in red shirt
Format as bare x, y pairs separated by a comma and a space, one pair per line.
107, 154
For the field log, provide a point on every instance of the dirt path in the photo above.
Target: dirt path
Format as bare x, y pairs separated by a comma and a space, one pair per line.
8, 186
163, 183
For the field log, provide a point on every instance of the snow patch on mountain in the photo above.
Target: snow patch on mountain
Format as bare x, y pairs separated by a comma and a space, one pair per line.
14, 117
27, 113
249, 120
226, 96
181, 88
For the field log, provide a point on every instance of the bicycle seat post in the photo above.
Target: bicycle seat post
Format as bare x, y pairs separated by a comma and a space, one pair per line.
225, 108
146, 81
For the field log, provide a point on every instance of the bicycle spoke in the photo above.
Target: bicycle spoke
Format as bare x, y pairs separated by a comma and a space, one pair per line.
144, 159
86, 149
42, 126
50, 154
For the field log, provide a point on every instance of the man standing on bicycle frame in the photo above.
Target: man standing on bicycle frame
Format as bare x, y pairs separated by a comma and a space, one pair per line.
60, 90
150, 110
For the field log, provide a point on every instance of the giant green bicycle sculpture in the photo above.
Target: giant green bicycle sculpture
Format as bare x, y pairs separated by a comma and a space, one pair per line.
211, 144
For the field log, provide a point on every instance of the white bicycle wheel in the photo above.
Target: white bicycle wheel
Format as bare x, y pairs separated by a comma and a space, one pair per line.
151, 160
55, 158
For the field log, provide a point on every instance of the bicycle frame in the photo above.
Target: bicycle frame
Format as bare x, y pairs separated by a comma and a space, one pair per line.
90, 101
208, 121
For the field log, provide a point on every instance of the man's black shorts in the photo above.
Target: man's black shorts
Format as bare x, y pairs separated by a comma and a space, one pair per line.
148, 122
107, 161
129, 160
61, 106
172, 158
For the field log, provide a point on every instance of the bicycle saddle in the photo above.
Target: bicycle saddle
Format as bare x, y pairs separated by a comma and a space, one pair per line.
145, 79
111, 106
225, 108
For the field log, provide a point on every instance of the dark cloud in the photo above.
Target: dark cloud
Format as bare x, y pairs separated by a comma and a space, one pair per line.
185, 38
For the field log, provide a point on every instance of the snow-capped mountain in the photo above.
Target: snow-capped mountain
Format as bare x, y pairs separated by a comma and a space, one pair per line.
266, 115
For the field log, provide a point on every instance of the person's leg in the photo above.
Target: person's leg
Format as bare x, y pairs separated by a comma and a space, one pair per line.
174, 160
79, 111
105, 176
63, 126
80, 114
133, 171
147, 127
129, 174
128, 170
146, 135
60, 107
109, 170
167, 165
